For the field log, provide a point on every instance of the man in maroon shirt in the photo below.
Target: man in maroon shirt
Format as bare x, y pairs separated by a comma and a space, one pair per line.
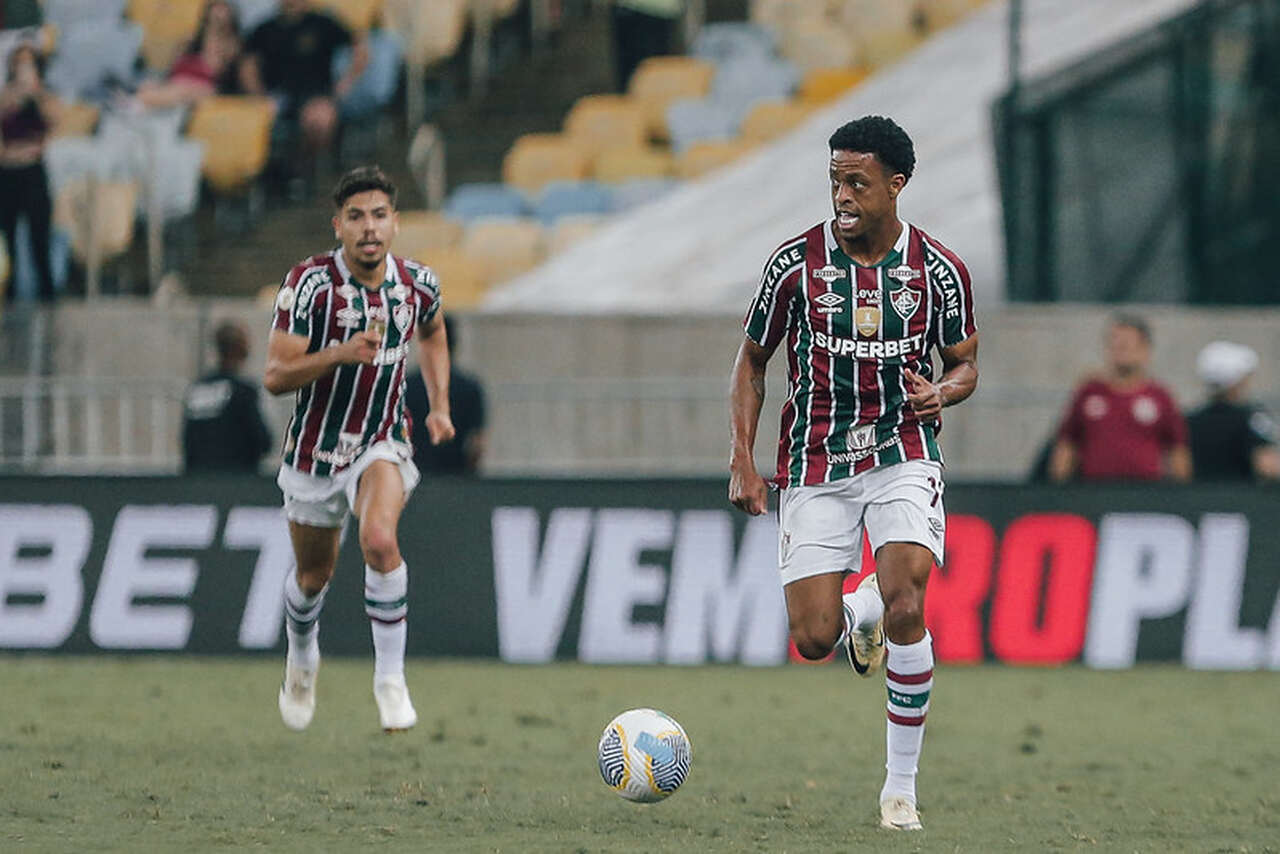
1122, 425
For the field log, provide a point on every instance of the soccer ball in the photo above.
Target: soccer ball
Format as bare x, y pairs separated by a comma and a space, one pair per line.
644, 755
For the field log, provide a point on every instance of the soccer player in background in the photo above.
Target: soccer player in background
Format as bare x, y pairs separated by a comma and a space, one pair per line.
345, 325
861, 300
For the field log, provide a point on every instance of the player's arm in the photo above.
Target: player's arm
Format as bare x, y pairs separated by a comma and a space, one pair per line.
747, 489
433, 359
1178, 463
1063, 460
959, 379
290, 366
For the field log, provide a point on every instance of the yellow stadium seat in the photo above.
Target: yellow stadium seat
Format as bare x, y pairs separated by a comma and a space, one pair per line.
773, 118
869, 20
462, 283
110, 217
422, 231
889, 47
568, 230
660, 80
777, 15
536, 159
703, 157
939, 14
75, 118
826, 84
503, 248
167, 27
614, 165
599, 122
814, 44
358, 15
431, 30
245, 120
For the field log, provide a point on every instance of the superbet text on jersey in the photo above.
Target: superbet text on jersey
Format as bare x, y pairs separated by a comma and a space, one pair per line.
342, 413
850, 331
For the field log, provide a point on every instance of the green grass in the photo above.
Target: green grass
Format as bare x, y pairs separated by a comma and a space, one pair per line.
182, 754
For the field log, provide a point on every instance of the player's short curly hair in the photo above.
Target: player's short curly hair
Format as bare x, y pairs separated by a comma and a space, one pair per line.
880, 136
362, 179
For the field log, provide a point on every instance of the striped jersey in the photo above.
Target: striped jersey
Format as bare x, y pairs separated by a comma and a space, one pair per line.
850, 330
349, 409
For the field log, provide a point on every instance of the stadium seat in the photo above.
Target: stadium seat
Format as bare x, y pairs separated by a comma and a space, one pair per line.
939, 14
66, 14
472, 201
721, 42
424, 231
704, 157
536, 159
254, 12
692, 121
462, 282
632, 194
503, 248
245, 119
571, 229
811, 44
75, 118
660, 80
826, 84
567, 198
374, 89
600, 122
167, 27
872, 19
91, 53
773, 118
359, 16
111, 218
740, 82
615, 165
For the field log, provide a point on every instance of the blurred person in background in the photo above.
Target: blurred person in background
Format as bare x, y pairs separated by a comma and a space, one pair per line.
463, 453
1232, 438
210, 64
641, 29
290, 57
1122, 424
26, 118
222, 425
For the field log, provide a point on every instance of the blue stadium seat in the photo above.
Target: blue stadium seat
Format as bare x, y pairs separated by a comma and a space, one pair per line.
375, 88
567, 198
254, 12
472, 201
741, 82
631, 194
91, 54
67, 14
725, 41
691, 120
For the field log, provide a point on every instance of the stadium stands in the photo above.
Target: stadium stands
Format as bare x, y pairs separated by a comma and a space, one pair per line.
473, 201
537, 159
570, 198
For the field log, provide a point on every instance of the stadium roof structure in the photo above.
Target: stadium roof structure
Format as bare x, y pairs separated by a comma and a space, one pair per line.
701, 247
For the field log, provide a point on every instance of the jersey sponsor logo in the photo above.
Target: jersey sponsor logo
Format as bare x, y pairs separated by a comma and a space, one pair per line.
871, 295
349, 318
829, 303
867, 319
857, 456
376, 312
348, 291
285, 299
905, 301
1095, 407
861, 437
947, 282
829, 273
860, 349
782, 262
903, 273
307, 290
391, 355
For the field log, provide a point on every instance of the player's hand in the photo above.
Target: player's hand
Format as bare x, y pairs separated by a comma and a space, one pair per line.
360, 348
747, 489
439, 427
925, 397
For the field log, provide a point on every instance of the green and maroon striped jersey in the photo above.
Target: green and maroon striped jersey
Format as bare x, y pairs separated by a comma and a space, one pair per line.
850, 330
346, 411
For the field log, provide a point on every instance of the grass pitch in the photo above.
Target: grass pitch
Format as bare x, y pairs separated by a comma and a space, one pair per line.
188, 754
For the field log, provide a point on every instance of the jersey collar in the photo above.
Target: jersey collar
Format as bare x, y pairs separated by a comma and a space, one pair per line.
896, 255
393, 269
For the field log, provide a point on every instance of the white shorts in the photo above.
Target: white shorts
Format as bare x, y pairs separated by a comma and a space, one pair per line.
325, 501
820, 527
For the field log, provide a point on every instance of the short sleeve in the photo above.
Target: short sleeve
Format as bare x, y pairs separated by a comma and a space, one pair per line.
295, 307
956, 320
1174, 427
1261, 429
769, 312
427, 286
1072, 427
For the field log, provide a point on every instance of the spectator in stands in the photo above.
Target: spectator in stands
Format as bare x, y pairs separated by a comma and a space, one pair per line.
290, 57
461, 454
222, 425
1231, 437
26, 117
1122, 424
208, 66
641, 29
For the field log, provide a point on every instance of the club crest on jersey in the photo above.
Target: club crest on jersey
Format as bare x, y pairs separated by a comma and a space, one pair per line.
829, 303
903, 273
349, 318
860, 437
829, 273
905, 301
403, 314
867, 320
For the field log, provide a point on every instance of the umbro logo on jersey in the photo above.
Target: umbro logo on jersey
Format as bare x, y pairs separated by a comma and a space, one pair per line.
829, 273
829, 303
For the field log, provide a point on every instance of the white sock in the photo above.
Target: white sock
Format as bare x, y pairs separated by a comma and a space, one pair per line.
862, 608
386, 601
909, 678
302, 621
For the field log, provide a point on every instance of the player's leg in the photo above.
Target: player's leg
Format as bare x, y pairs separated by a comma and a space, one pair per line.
315, 550
379, 501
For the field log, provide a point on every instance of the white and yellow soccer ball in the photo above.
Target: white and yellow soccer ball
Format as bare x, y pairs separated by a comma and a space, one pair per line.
644, 755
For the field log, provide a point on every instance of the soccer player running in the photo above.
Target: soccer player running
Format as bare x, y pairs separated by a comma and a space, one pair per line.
861, 300
345, 323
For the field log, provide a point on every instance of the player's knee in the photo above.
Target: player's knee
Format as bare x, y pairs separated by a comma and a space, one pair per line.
378, 543
813, 642
312, 579
903, 613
